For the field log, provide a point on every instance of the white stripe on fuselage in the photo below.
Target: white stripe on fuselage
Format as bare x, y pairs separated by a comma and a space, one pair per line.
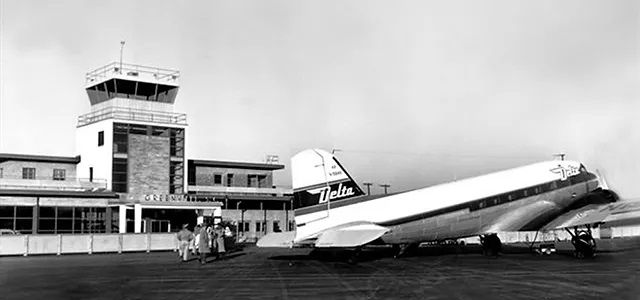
430, 199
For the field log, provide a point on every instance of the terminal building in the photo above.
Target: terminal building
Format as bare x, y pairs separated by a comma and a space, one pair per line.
130, 173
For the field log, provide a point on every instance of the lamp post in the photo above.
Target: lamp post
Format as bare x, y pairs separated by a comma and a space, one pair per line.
241, 223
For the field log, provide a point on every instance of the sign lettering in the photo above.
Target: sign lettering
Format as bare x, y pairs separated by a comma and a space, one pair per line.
327, 194
177, 198
565, 172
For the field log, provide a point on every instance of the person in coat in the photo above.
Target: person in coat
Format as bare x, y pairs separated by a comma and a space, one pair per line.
203, 246
218, 234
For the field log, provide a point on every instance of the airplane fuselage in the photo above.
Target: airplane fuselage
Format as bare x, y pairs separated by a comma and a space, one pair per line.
513, 200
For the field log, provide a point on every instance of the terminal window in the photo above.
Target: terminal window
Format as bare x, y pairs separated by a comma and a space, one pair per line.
17, 218
244, 227
100, 138
28, 173
261, 227
229, 179
217, 179
59, 174
276, 226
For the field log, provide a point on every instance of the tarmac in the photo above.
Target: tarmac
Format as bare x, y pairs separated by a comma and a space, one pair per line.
254, 273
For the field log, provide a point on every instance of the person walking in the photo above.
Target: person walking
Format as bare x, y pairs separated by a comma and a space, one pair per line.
196, 241
218, 234
203, 245
184, 239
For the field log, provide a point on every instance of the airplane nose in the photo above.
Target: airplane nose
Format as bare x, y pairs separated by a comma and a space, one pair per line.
602, 183
593, 182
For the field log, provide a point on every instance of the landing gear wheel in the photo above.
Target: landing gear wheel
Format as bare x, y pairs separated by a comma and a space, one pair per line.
395, 250
403, 249
491, 244
584, 243
354, 257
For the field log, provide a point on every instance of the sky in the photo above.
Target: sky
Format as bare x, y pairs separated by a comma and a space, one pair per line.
408, 93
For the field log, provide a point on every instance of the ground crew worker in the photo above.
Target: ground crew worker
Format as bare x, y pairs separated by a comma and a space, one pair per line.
184, 238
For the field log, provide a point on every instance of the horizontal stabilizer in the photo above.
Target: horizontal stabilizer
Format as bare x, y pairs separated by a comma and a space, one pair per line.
350, 235
277, 240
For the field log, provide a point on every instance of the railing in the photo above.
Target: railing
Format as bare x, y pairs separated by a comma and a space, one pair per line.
240, 190
48, 183
86, 243
132, 115
132, 70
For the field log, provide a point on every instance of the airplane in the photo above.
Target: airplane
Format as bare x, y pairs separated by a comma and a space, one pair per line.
332, 211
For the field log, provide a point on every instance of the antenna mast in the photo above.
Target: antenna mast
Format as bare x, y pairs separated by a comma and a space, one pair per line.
121, 48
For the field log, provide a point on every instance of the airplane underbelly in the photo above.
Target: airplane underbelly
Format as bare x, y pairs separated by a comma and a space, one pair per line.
511, 216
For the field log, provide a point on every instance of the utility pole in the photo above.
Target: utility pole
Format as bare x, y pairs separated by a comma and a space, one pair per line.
385, 186
368, 184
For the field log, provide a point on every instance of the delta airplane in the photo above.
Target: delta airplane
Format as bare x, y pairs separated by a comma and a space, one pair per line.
332, 211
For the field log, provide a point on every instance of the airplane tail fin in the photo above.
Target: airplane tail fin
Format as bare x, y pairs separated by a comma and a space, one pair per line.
318, 178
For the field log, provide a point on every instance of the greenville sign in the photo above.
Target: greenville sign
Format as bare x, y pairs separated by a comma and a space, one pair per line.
177, 198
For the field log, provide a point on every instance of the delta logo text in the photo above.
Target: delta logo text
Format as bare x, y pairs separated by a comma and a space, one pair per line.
327, 194
565, 172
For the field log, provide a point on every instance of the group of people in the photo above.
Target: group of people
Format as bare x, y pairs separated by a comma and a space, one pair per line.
203, 240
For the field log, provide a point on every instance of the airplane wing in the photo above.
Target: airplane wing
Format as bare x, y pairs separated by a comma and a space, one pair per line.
347, 235
617, 212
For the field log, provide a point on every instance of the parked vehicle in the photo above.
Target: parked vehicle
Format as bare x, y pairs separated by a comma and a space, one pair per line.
9, 232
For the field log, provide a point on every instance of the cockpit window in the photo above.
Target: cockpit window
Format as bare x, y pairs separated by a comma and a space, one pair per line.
582, 169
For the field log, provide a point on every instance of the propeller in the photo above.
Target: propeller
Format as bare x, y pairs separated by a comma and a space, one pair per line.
604, 186
602, 182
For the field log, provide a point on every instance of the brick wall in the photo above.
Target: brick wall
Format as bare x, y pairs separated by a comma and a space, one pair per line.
148, 161
44, 170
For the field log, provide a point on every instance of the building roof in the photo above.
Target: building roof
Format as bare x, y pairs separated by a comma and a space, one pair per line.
236, 165
56, 193
39, 158
221, 197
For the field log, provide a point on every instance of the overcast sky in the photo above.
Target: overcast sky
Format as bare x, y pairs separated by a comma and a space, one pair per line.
414, 92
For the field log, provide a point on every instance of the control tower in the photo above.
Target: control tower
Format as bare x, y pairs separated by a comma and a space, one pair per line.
132, 137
